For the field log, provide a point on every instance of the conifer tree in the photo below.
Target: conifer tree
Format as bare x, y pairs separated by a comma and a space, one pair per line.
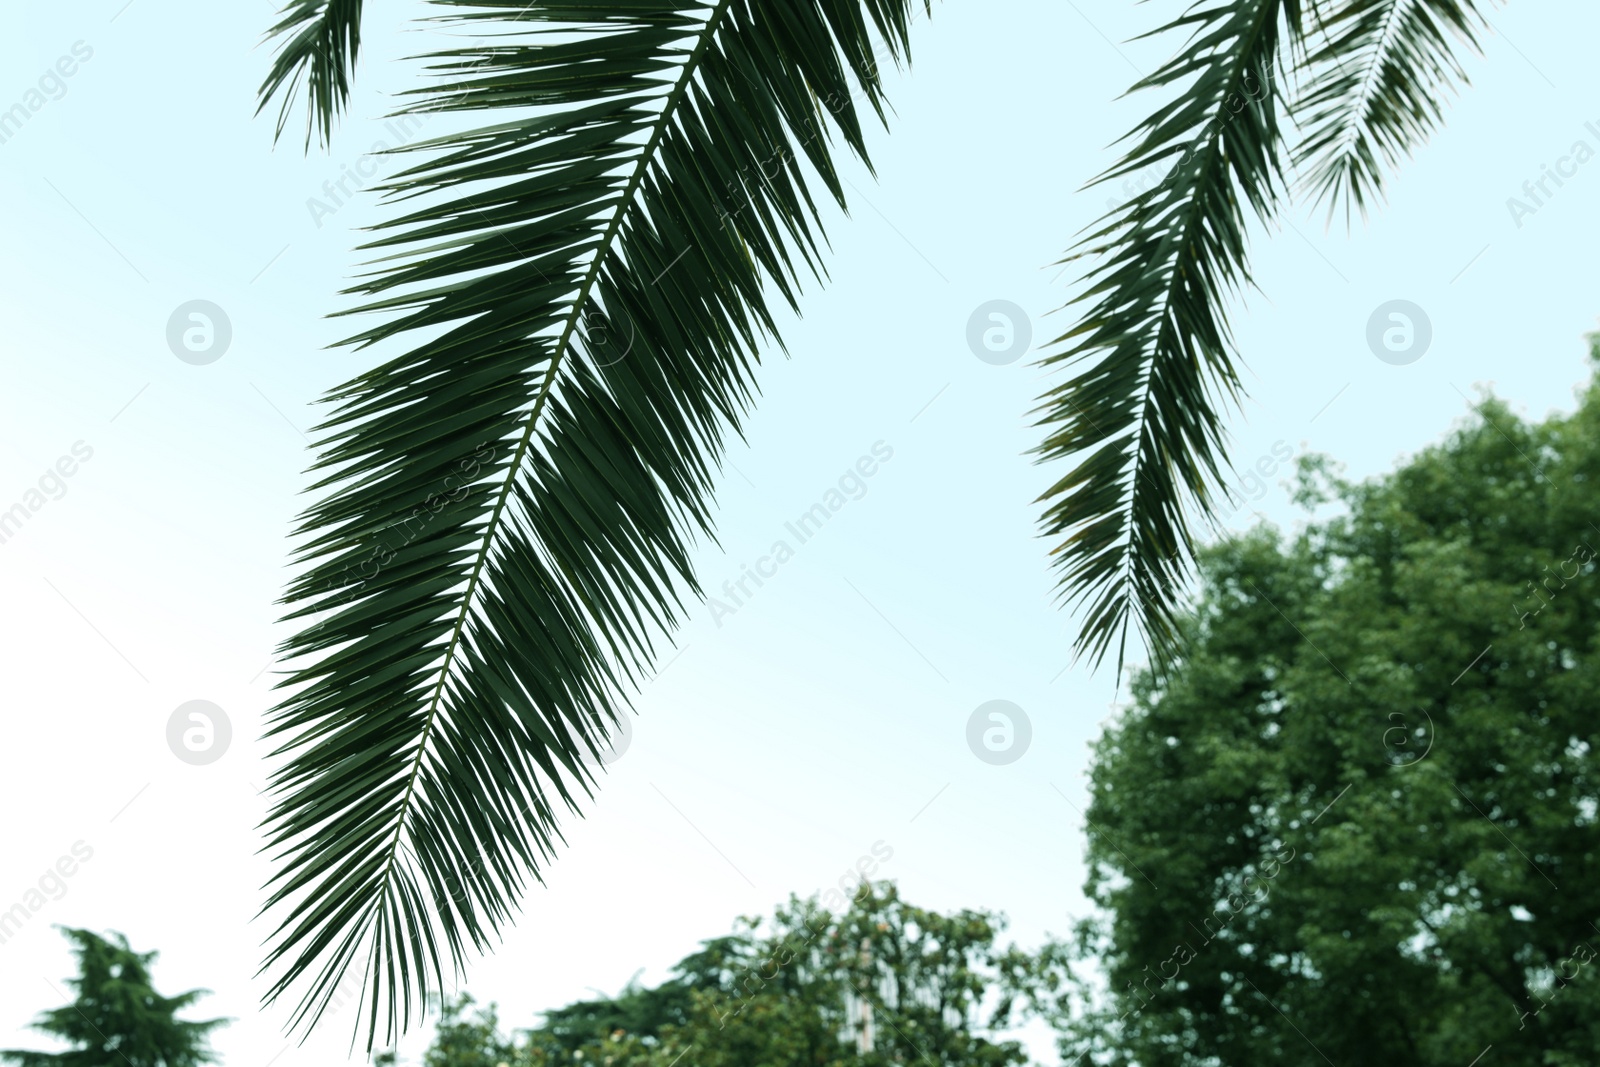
118, 1019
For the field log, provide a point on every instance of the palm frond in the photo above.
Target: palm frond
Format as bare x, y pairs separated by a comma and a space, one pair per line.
1160, 357
320, 41
510, 503
1377, 75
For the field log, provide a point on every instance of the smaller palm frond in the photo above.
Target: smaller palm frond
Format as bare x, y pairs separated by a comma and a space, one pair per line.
1154, 358
1377, 75
320, 40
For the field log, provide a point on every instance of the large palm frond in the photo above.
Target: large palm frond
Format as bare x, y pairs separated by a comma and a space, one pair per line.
1146, 409
509, 504
1377, 74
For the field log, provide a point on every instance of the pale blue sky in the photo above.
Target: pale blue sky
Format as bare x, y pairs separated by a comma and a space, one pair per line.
830, 711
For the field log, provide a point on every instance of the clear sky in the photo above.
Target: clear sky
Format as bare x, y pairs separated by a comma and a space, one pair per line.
830, 710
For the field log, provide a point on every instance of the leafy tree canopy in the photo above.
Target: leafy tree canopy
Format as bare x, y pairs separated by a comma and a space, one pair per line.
1357, 823
118, 1019
884, 983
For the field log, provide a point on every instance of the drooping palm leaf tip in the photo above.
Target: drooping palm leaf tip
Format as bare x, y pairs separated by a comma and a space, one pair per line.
1147, 409
321, 41
1378, 74
1153, 356
509, 503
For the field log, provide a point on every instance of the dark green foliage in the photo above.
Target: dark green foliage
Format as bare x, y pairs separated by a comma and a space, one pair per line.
1359, 819
321, 39
1376, 78
1146, 409
635, 1010
117, 1018
580, 285
1153, 360
464, 1040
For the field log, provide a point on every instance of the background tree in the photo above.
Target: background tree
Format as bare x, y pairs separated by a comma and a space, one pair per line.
117, 1017
1359, 821
797, 990
468, 1038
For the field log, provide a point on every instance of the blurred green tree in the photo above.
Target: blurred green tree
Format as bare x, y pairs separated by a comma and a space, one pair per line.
883, 983
118, 1019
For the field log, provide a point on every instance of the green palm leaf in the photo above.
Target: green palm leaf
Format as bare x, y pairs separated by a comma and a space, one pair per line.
1377, 74
1160, 359
510, 502
323, 38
